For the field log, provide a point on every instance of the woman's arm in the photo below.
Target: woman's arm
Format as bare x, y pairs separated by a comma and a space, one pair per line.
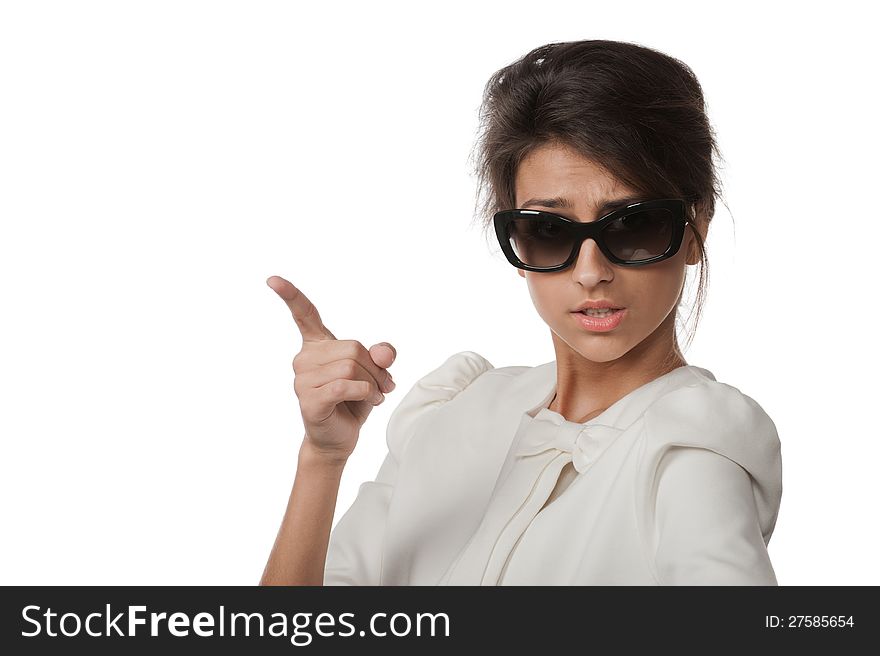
707, 527
300, 550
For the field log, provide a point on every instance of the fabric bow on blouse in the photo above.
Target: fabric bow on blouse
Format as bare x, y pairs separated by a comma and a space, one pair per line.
550, 430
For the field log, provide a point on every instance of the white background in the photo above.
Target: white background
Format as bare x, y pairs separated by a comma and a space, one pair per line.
159, 160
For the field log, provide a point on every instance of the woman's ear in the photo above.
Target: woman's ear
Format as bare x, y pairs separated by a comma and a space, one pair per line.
693, 248
521, 272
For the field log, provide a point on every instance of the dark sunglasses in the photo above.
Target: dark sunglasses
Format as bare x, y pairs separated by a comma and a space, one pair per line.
638, 234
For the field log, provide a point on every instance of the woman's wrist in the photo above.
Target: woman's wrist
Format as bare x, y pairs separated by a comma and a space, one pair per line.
314, 457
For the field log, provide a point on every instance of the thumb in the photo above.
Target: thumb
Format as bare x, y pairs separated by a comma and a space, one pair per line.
383, 354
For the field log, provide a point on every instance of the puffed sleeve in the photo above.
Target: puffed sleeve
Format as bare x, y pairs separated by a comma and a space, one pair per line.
713, 484
354, 554
708, 532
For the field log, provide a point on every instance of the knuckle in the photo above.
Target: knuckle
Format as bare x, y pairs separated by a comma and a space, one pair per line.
300, 363
350, 368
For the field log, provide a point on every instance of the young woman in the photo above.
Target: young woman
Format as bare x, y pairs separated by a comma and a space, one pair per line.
615, 464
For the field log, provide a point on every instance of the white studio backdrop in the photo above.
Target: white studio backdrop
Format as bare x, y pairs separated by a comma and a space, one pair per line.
159, 160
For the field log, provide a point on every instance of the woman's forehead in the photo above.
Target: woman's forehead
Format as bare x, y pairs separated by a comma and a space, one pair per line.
567, 179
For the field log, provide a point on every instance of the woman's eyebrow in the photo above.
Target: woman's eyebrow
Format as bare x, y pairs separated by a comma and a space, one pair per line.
558, 201
549, 202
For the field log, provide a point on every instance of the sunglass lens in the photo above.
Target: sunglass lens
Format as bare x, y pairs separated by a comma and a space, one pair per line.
640, 235
539, 242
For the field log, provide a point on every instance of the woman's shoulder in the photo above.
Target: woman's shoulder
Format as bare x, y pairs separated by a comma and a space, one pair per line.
712, 416
462, 374
431, 391
710, 412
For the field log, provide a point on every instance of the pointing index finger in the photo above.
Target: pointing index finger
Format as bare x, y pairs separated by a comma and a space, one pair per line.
304, 312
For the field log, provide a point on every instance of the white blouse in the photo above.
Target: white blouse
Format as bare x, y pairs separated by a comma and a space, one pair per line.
677, 483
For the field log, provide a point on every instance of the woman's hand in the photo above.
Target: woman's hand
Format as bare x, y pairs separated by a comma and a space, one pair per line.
337, 381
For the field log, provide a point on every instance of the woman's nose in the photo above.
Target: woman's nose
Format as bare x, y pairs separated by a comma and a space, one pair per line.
591, 263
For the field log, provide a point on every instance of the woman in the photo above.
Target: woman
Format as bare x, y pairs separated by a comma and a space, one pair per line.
616, 464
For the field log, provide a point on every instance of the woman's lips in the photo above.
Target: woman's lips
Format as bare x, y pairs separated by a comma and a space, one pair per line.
600, 324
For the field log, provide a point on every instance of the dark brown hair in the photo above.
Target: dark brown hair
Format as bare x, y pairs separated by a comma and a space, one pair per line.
637, 113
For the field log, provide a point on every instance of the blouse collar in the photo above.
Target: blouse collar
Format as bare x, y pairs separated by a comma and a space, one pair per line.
541, 429
539, 388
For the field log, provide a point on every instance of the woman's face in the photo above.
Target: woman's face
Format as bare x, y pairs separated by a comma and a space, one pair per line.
648, 293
